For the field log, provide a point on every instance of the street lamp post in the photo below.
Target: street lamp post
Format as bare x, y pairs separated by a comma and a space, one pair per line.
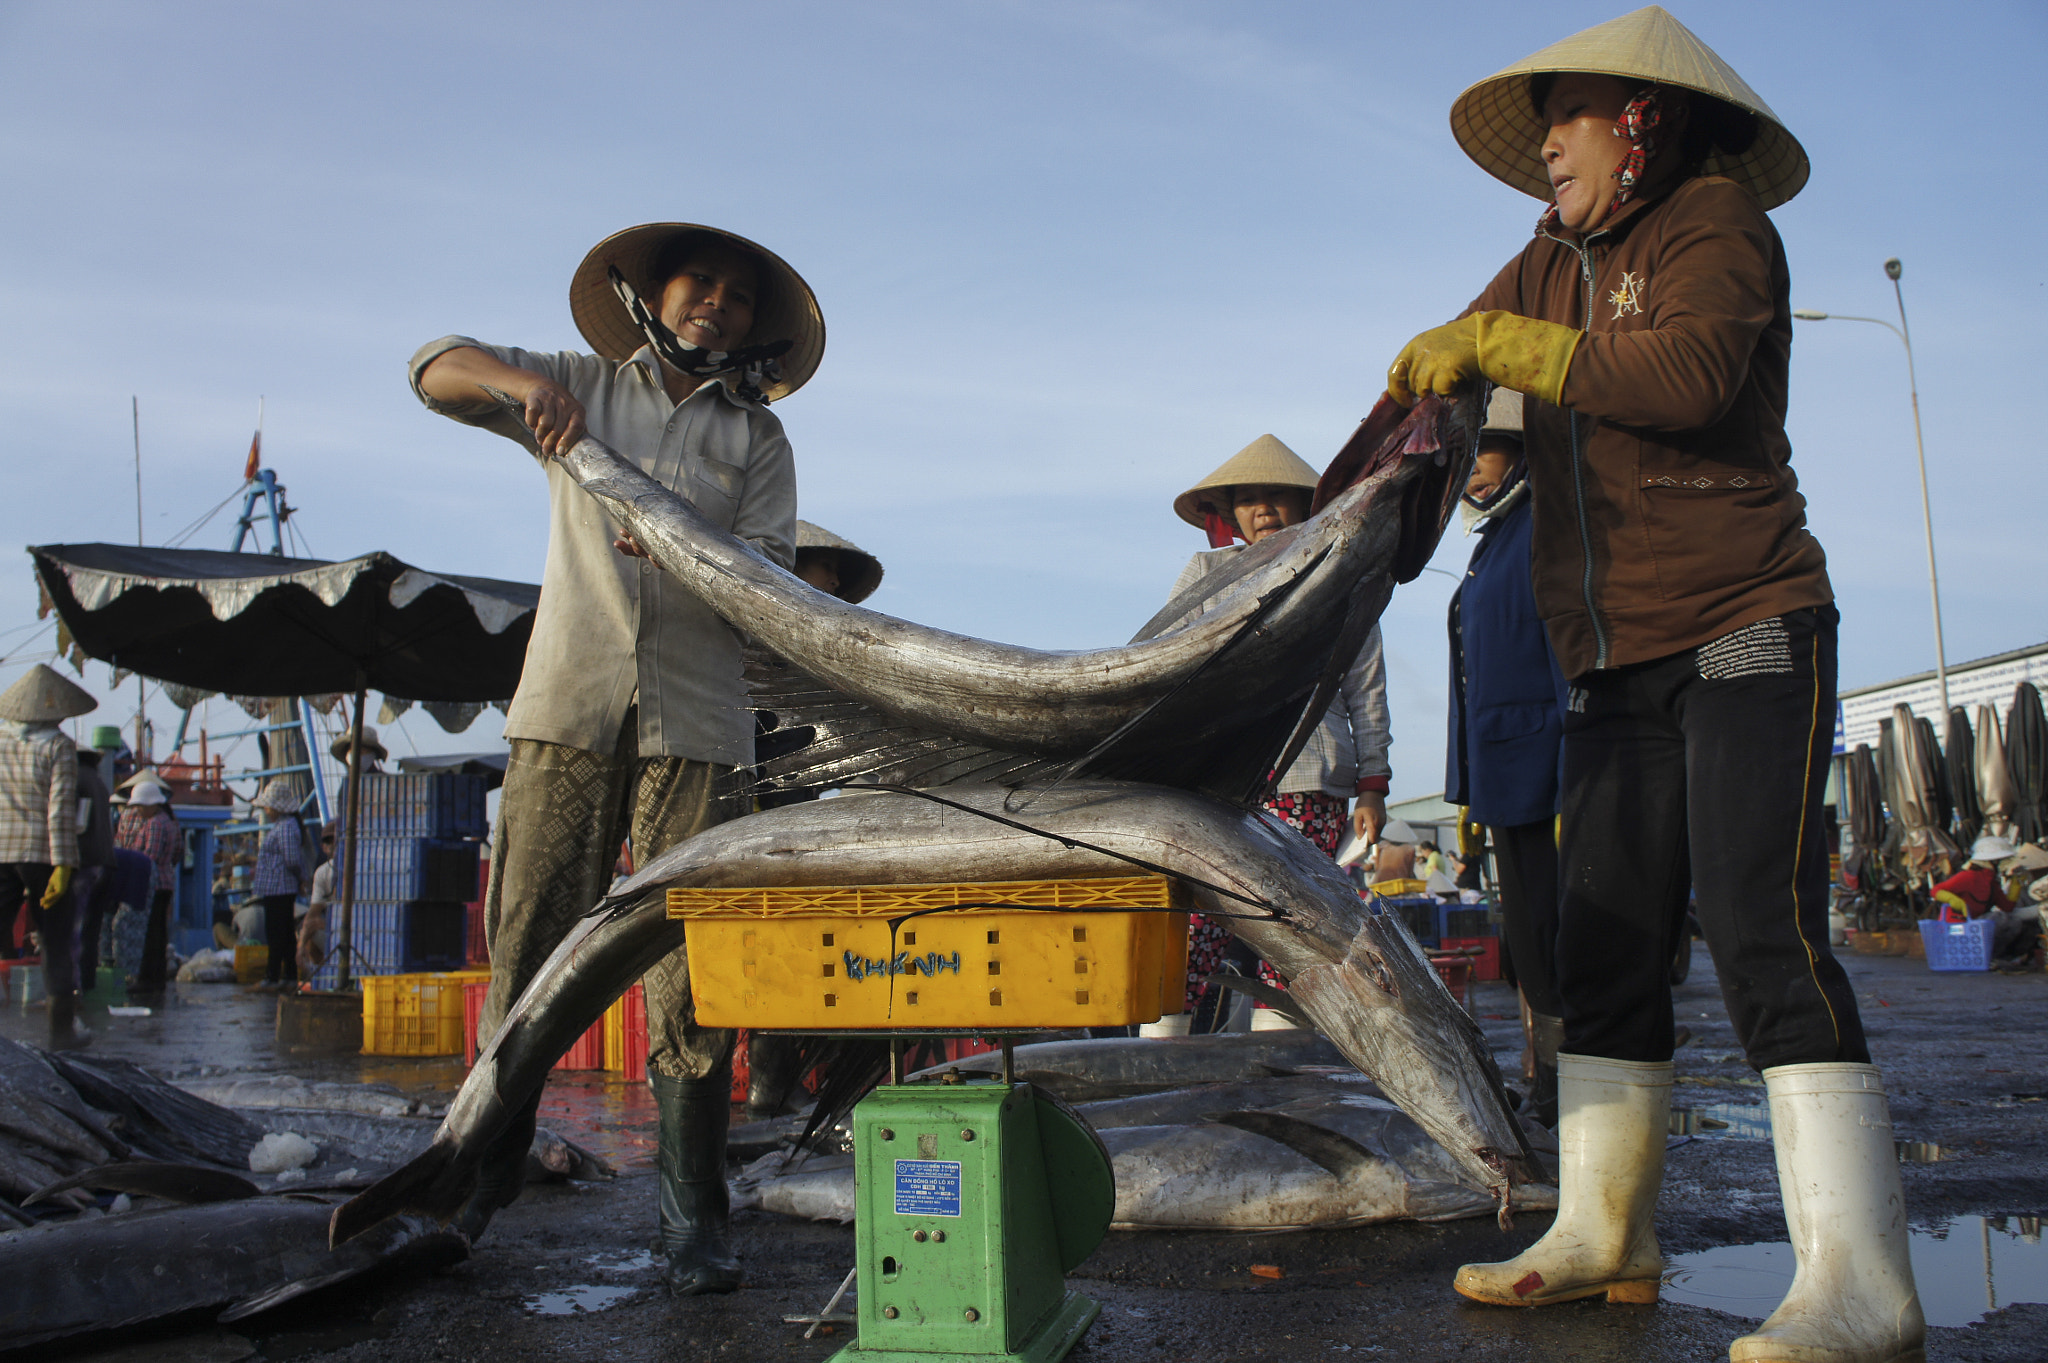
1893, 270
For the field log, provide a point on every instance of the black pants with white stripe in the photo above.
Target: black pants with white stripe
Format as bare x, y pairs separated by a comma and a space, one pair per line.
1703, 772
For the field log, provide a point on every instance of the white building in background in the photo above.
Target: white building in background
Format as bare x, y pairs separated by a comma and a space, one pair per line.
1987, 681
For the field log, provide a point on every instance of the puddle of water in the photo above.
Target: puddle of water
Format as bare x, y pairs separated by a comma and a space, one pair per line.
1743, 1121
1964, 1268
571, 1301
616, 1262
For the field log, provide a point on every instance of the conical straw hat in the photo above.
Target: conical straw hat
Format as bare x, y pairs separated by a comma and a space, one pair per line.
41, 696
860, 572
1498, 127
787, 311
1263, 463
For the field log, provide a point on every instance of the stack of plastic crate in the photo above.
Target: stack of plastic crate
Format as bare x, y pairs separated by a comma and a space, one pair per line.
1470, 928
416, 871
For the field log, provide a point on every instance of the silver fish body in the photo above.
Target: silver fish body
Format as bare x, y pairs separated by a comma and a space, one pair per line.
1203, 686
1372, 990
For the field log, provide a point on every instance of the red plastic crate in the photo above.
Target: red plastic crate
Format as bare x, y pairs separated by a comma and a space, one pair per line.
478, 948
587, 1053
634, 1069
472, 1015
1486, 964
1456, 972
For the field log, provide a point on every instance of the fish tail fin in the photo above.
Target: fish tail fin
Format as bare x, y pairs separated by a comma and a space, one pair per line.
436, 1184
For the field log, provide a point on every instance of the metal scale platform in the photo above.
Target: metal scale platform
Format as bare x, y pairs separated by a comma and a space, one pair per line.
974, 1197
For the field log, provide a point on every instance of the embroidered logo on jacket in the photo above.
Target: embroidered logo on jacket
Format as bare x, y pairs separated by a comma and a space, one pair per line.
1628, 299
1761, 649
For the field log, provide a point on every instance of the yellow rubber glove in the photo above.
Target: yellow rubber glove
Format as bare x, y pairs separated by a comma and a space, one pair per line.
1515, 352
60, 881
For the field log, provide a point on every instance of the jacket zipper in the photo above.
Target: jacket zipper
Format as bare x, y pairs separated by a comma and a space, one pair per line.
1571, 421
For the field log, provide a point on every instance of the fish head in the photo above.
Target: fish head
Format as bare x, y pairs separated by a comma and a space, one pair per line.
1421, 454
1387, 1009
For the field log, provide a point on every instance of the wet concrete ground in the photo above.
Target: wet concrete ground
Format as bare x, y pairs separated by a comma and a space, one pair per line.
1963, 1057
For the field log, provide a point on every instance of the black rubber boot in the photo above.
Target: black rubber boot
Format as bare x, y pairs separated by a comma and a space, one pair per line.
695, 1237
502, 1175
65, 1033
1548, 1038
771, 1073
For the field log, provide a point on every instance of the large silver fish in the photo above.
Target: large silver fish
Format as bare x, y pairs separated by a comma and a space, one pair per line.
1352, 966
1205, 703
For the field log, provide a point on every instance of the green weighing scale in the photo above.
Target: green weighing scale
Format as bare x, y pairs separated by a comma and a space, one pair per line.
974, 1197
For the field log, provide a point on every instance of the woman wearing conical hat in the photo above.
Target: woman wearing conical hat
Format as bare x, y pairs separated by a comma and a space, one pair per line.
1261, 490
1648, 323
39, 830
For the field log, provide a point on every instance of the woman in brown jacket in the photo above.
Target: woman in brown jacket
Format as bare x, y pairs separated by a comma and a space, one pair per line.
1649, 323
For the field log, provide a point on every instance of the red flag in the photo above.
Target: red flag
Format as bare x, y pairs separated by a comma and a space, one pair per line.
255, 456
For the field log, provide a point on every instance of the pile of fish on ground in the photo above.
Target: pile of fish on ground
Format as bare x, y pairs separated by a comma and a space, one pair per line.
125, 1199
1260, 1132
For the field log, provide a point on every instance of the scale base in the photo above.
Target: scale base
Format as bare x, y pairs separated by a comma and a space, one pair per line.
1062, 1331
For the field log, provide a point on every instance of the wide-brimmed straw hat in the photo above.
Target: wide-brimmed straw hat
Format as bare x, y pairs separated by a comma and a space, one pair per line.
1497, 125
43, 697
1263, 463
1503, 413
338, 749
860, 572
786, 310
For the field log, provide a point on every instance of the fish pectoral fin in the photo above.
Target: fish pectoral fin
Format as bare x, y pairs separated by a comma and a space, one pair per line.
1334, 1151
1279, 1000
436, 1184
187, 1183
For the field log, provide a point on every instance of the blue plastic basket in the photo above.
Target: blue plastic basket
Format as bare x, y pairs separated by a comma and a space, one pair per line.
421, 805
1957, 946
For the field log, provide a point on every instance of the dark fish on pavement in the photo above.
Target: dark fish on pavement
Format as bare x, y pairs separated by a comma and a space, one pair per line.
1291, 1153
1368, 985
158, 1119
239, 1257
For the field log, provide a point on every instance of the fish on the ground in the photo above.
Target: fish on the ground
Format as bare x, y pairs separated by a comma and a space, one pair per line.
1092, 1069
286, 1090
1290, 1153
159, 1120
237, 1257
1352, 964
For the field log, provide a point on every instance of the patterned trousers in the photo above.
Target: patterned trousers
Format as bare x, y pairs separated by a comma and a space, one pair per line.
561, 817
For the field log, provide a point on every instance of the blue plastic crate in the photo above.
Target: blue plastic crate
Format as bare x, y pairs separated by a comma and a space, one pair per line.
421, 805
406, 938
400, 870
1957, 946
1418, 911
1464, 920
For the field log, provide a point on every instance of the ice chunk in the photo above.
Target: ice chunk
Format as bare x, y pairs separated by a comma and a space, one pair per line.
281, 1150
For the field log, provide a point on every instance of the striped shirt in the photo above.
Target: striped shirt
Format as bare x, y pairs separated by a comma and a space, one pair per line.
38, 796
143, 829
280, 860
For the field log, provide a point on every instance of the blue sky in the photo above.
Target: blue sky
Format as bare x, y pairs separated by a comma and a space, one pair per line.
1071, 256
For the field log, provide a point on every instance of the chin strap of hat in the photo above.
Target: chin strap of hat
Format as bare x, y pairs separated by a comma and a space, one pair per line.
1638, 123
755, 364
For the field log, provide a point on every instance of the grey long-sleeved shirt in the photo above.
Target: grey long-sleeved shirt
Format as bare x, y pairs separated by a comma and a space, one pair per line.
612, 628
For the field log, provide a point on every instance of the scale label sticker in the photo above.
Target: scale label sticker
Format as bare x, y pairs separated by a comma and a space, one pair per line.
927, 1187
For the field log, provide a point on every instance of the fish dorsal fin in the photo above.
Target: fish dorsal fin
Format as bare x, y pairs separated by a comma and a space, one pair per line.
1334, 1151
187, 1183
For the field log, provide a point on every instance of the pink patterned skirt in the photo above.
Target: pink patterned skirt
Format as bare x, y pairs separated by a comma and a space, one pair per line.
1314, 815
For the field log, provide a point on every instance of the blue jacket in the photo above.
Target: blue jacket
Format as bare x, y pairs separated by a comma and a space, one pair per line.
1507, 694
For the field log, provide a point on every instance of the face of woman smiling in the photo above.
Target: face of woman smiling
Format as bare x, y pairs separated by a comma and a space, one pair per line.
1585, 145
1261, 510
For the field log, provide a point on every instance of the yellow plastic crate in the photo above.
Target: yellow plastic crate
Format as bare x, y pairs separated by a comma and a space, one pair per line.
822, 957
415, 1014
251, 960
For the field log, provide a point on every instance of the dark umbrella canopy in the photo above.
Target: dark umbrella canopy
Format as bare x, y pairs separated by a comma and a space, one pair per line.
2026, 755
1941, 809
253, 624
1863, 799
1960, 757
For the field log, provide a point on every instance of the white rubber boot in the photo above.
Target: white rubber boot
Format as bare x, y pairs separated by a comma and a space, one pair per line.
1613, 1118
1852, 1299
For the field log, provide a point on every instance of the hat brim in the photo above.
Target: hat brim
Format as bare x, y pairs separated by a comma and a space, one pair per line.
1498, 128
788, 310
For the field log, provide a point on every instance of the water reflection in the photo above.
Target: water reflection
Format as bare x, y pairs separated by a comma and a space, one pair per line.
1965, 1268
